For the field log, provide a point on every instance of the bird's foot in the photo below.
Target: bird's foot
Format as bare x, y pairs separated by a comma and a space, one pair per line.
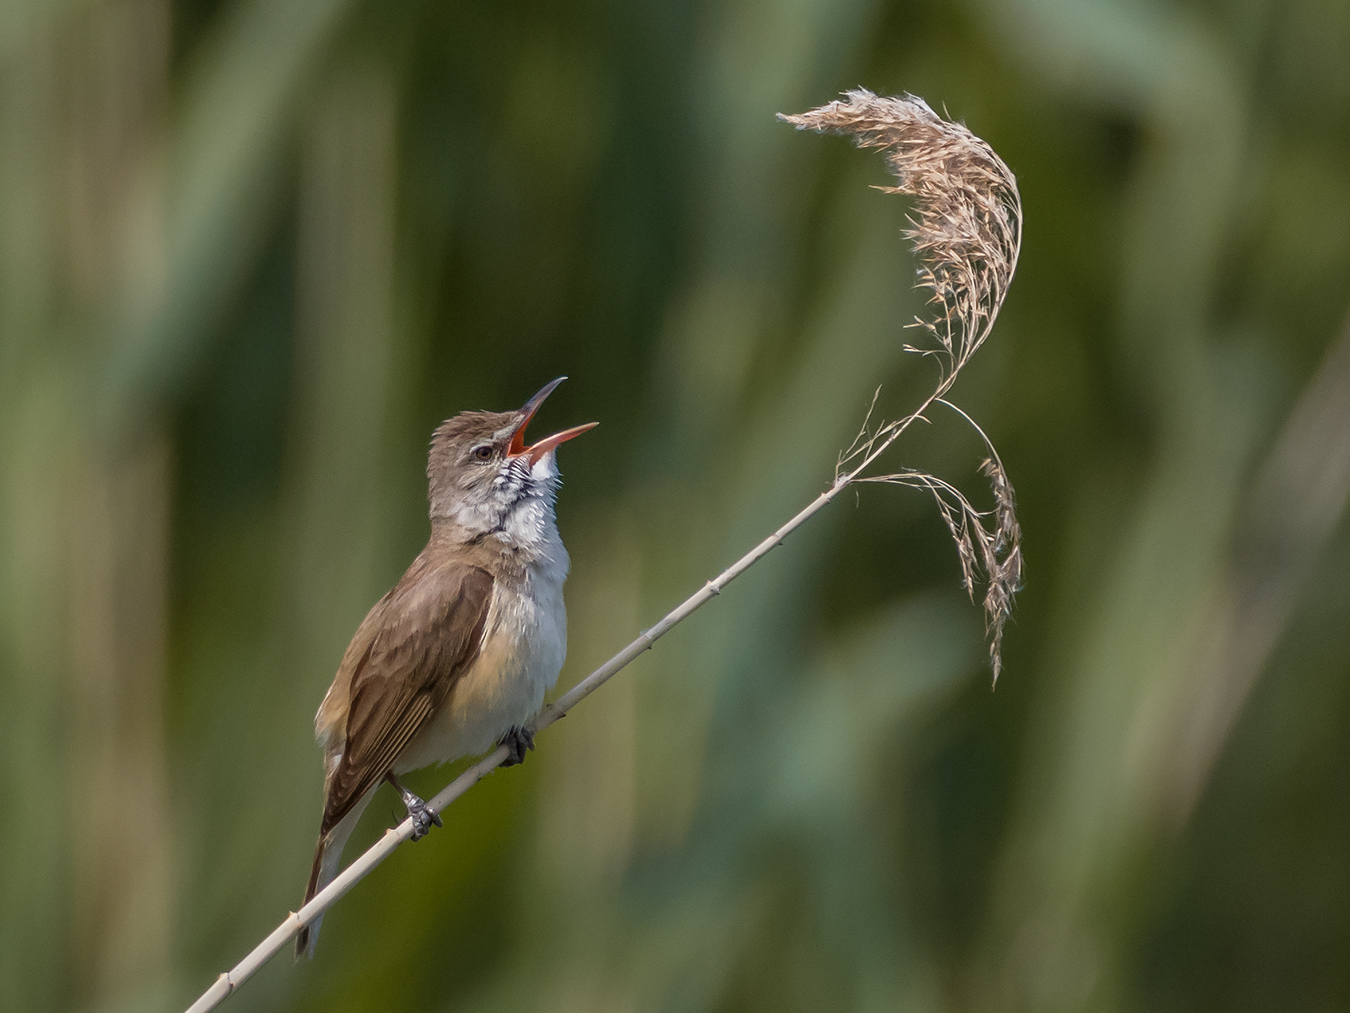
517, 741
418, 811
423, 818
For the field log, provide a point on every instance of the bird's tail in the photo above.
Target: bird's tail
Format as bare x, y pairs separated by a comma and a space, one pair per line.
327, 857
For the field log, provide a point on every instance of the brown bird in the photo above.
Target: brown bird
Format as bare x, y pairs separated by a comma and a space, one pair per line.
457, 657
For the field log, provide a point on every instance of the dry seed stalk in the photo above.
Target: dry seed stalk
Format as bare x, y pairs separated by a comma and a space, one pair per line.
966, 229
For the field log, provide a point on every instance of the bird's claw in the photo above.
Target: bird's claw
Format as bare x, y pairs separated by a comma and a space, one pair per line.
517, 741
423, 818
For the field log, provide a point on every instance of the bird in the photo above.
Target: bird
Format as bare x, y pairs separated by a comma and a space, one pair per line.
457, 657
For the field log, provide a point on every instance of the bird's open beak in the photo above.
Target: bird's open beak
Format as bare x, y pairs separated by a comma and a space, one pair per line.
538, 450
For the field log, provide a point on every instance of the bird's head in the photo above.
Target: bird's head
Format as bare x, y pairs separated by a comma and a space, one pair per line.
482, 477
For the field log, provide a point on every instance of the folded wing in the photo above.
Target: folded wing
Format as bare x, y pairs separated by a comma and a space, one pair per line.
421, 638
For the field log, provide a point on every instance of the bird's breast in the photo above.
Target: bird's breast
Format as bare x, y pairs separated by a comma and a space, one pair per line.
524, 644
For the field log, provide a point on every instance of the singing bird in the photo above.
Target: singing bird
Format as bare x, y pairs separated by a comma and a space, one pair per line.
456, 658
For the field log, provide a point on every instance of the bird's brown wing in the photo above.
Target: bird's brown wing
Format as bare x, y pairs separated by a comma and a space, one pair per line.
425, 633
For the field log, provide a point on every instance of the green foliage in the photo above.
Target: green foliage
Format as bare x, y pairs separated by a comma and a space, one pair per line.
252, 251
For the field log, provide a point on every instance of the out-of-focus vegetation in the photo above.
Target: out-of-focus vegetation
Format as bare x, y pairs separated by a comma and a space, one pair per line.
252, 251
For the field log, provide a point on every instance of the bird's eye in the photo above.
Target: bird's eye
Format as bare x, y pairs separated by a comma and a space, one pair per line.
483, 453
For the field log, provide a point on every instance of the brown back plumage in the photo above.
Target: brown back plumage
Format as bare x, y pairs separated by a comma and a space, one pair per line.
401, 665
417, 641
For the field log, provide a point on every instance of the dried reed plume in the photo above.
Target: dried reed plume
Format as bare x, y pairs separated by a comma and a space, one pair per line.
966, 229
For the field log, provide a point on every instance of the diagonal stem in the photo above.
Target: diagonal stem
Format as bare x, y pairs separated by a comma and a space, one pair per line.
282, 935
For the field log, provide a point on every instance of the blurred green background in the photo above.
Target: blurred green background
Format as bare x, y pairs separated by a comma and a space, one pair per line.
252, 251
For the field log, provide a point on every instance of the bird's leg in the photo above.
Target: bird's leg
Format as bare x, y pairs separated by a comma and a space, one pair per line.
422, 816
517, 740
